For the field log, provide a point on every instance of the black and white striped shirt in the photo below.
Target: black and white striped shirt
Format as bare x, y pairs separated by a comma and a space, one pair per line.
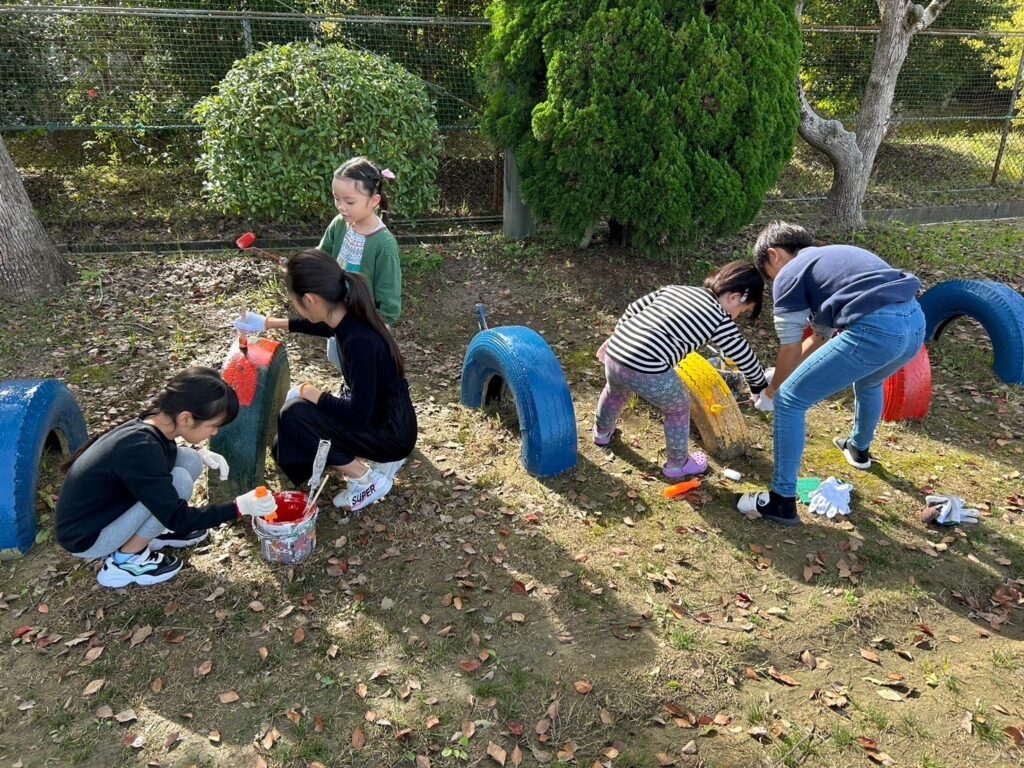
660, 329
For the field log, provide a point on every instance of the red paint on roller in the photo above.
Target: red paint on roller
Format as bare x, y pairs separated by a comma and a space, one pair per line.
908, 392
245, 240
241, 371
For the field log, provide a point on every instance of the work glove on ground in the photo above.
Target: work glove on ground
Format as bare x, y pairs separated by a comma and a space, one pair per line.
831, 499
951, 510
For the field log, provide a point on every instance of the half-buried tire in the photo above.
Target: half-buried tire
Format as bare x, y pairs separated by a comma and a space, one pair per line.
998, 308
908, 392
713, 409
261, 381
519, 358
34, 414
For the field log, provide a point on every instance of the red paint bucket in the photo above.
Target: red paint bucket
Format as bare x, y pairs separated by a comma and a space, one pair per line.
288, 536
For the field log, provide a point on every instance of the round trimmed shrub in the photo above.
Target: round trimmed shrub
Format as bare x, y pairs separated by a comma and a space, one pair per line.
670, 119
285, 117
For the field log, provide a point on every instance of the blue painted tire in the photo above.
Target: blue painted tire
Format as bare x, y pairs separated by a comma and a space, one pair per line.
998, 308
520, 358
30, 412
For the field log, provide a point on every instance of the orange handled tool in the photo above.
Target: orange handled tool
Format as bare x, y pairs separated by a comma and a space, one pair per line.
680, 488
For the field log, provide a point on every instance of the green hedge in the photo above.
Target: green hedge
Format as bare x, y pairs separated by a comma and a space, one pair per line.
284, 118
672, 119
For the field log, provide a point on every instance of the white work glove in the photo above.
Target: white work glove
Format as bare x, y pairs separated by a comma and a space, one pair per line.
215, 461
952, 510
831, 498
256, 506
764, 403
294, 393
254, 322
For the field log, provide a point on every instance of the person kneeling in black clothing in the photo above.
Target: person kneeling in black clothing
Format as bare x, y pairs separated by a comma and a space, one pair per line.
372, 423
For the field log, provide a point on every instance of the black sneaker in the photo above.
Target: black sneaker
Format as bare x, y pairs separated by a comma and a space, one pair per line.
855, 457
179, 539
770, 506
144, 568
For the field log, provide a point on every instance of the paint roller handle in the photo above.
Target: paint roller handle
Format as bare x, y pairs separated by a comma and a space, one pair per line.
481, 317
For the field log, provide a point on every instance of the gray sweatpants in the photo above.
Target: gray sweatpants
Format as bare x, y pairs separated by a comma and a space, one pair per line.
188, 466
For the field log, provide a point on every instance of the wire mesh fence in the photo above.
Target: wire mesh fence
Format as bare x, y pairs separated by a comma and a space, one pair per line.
139, 69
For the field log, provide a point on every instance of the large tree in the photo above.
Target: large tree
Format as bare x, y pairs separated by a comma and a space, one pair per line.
852, 153
30, 263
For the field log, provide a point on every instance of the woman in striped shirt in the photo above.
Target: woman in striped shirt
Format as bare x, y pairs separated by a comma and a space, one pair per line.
659, 330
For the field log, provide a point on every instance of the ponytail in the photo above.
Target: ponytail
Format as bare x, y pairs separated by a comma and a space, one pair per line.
314, 271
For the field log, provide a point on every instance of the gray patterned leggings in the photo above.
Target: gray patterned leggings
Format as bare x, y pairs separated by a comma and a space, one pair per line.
664, 391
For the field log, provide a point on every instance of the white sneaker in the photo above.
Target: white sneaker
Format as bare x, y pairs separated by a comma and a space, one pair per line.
360, 495
388, 468
145, 568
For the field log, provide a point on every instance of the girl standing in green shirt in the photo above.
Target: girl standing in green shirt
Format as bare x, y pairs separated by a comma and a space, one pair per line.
360, 240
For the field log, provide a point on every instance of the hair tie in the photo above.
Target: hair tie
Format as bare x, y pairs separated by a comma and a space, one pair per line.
388, 174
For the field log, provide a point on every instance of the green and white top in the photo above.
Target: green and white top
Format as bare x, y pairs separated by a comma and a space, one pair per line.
375, 257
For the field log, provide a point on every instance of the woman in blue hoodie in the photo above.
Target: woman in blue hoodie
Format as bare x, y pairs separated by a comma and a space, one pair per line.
830, 287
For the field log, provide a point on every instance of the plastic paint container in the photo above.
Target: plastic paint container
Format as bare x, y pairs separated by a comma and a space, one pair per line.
287, 536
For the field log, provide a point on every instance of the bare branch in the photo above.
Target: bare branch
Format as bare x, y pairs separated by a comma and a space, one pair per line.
930, 14
828, 136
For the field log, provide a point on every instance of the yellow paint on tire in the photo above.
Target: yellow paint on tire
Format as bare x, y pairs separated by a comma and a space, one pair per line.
713, 409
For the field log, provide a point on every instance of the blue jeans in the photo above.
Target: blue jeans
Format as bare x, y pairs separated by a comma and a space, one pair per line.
865, 354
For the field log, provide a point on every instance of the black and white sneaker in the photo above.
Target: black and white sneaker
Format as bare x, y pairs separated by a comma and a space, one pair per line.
179, 539
145, 568
769, 505
855, 457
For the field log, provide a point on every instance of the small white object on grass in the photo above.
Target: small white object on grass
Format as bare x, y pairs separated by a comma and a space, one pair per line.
732, 474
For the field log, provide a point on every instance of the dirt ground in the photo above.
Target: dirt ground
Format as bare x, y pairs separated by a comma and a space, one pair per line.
481, 616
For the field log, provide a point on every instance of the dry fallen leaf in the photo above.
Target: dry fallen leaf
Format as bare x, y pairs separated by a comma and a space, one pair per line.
870, 656
256, 606
606, 717
583, 687
105, 712
358, 739
422, 761
888, 694
228, 697
808, 659
157, 685
140, 635
172, 740
778, 677
299, 636
205, 668
126, 716
94, 687
270, 738
496, 753
94, 653
214, 737
263, 652
664, 759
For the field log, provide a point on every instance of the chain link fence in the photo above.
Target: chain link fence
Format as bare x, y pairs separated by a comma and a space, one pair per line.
953, 135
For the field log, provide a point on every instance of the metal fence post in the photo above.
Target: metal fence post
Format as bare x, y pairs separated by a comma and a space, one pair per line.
1008, 124
517, 220
246, 29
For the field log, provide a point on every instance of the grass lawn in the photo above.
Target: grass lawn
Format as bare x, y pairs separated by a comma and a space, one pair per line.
479, 615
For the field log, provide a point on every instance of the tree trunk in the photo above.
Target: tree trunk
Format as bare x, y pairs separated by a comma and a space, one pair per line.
30, 263
853, 154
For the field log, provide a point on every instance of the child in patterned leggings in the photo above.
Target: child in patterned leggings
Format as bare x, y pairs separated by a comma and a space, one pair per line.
656, 332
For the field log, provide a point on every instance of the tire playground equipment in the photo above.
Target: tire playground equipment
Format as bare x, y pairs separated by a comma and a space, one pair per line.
34, 414
908, 392
518, 360
713, 409
260, 378
998, 308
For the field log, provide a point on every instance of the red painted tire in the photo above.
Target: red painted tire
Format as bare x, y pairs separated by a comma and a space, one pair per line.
908, 392
261, 381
